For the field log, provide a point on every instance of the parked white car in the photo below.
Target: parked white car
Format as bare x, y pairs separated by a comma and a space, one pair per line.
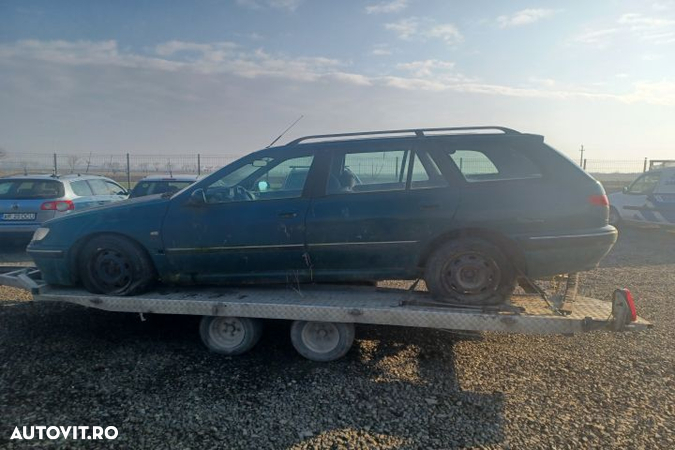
649, 200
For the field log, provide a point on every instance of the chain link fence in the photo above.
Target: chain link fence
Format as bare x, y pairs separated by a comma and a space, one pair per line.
129, 168
124, 168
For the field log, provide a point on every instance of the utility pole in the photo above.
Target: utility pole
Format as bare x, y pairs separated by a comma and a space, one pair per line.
581, 160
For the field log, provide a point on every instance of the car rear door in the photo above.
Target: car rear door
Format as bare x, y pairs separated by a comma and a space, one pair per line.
377, 224
250, 226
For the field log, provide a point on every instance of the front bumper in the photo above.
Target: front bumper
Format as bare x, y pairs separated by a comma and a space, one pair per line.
52, 264
553, 254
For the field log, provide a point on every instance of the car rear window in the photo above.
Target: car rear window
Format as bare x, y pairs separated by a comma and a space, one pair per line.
158, 187
30, 189
496, 164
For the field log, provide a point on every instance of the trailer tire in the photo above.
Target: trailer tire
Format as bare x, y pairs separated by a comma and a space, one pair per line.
114, 265
471, 272
322, 341
230, 335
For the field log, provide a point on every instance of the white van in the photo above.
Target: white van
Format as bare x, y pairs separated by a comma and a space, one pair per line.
649, 200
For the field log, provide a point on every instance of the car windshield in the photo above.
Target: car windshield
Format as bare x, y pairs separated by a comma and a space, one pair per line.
30, 189
158, 187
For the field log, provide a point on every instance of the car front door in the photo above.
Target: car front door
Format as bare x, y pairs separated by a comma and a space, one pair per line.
245, 223
635, 205
382, 204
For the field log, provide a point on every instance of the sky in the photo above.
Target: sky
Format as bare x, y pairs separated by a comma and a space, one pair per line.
225, 77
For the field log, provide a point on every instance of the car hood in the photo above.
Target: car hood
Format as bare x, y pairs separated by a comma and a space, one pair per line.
141, 205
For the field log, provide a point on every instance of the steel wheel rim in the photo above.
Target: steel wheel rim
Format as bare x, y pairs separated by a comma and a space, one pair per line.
470, 274
320, 337
112, 269
227, 332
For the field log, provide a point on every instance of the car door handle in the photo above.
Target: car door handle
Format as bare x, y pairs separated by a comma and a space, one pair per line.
288, 215
428, 206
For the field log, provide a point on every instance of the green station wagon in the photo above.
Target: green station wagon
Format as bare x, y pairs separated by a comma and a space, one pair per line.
469, 210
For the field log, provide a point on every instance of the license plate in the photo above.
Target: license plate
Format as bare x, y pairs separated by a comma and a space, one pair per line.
18, 216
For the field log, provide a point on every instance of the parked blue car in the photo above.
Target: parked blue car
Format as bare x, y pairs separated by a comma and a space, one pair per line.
469, 210
26, 201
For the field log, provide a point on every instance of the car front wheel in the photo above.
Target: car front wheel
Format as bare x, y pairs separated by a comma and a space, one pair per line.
471, 272
114, 265
614, 217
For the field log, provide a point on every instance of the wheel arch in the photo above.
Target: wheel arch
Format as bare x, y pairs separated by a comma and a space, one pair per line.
511, 250
77, 247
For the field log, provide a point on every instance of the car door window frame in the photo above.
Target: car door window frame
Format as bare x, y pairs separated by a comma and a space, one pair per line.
278, 159
340, 151
630, 190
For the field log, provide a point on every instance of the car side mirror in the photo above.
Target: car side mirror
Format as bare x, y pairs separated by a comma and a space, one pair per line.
625, 190
123, 192
197, 198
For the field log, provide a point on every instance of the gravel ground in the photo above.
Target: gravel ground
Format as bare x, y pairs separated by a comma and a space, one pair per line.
397, 388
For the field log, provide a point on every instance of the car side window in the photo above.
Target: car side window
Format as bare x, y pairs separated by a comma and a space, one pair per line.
497, 164
81, 188
645, 184
103, 187
114, 188
355, 172
262, 179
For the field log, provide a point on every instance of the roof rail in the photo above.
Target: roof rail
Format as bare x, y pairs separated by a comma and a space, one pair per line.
419, 132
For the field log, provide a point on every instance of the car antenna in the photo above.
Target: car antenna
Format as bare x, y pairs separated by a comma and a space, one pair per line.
285, 131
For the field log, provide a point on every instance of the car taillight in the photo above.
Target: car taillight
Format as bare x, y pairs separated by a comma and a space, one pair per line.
58, 205
598, 200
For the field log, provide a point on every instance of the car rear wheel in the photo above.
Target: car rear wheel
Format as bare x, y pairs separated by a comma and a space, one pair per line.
114, 265
471, 272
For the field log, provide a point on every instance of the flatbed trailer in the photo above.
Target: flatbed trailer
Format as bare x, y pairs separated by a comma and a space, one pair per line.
324, 316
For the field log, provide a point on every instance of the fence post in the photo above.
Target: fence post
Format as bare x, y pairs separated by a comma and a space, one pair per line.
128, 173
644, 166
199, 165
56, 171
584, 166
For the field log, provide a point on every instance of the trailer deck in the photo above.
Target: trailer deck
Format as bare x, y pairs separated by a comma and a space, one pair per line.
345, 304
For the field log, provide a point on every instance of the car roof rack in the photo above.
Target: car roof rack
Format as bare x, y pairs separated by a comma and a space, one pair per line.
419, 132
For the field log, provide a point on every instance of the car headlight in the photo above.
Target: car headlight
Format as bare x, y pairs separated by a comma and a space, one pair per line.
40, 234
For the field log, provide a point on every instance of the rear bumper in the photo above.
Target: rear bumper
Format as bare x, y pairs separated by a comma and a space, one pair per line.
554, 254
18, 228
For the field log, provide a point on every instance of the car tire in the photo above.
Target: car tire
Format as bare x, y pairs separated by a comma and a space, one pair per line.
470, 272
614, 218
115, 265
322, 341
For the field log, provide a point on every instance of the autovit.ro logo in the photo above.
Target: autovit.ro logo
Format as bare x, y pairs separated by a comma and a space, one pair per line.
69, 432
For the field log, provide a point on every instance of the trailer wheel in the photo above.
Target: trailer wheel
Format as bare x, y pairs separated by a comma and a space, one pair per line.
230, 335
322, 341
470, 271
